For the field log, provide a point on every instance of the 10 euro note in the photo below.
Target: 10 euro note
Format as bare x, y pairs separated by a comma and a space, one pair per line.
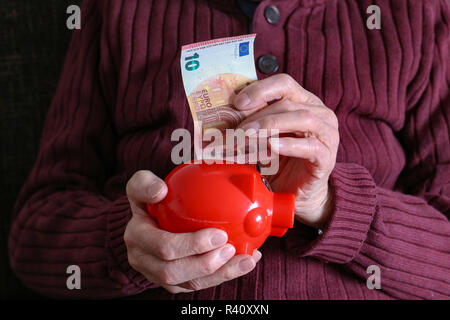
213, 73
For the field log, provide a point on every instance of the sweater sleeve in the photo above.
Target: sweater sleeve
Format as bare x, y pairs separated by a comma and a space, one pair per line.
62, 218
405, 232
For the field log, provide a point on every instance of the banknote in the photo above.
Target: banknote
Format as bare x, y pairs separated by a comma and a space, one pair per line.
213, 73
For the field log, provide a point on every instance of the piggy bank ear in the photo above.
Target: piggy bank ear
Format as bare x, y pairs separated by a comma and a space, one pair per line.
246, 183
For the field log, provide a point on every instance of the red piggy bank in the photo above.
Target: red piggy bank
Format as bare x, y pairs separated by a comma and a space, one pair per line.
233, 197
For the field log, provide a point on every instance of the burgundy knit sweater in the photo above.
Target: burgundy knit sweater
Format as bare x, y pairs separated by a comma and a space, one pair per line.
121, 95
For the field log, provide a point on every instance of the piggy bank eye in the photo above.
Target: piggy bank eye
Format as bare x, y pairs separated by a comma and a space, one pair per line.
266, 183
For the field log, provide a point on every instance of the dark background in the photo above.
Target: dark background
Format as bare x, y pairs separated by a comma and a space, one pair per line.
33, 43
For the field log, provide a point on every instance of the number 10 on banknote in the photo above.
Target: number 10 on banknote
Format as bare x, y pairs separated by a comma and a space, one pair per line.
213, 72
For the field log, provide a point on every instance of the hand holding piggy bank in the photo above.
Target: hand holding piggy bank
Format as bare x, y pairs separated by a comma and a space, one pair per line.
233, 197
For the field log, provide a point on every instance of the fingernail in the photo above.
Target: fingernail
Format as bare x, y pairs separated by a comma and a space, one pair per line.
251, 126
155, 189
242, 100
257, 255
246, 265
227, 252
218, 239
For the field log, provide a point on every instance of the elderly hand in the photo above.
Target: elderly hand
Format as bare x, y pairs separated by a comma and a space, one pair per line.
308, 142
179, 262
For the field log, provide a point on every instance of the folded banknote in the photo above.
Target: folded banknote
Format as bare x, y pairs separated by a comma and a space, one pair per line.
213, 72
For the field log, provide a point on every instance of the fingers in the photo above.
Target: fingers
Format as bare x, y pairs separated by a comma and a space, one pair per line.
175, 289
236, 267
145, 235
144, 187
259, 93
192, 267
296, 121
171, 246
300, 122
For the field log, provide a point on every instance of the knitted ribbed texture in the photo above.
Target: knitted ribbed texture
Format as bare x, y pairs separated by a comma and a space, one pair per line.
120, 97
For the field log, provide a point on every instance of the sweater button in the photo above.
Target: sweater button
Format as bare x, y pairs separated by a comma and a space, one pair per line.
268, 64
272, 14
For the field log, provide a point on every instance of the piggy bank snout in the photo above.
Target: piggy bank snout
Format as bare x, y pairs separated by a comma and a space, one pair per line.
257, 220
